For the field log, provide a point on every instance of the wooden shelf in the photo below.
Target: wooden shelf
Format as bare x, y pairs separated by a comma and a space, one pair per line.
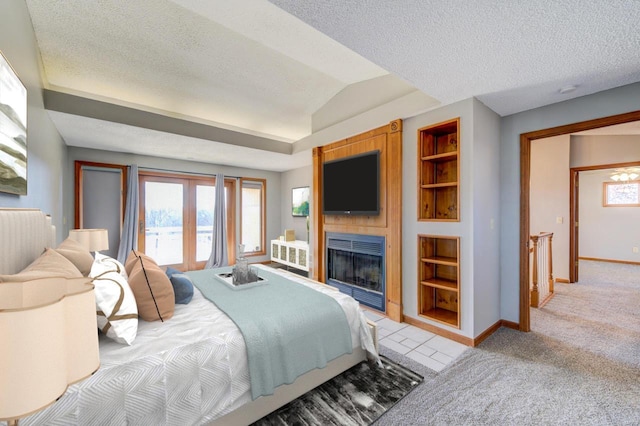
439, 278
446, 156
442, 260
439, 185
439, 172
442, 315
441, 283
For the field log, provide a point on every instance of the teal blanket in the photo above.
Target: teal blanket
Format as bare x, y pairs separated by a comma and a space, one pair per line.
289, 329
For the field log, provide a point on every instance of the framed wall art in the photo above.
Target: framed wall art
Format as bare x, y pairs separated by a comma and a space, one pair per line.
300, 201
13, 131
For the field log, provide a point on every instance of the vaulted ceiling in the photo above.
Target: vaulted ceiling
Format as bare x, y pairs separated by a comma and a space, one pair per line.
255, 83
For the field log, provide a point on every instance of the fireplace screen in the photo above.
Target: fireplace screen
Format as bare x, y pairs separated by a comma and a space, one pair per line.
361, 270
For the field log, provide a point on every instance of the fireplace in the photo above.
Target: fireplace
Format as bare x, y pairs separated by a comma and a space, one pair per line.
355, 266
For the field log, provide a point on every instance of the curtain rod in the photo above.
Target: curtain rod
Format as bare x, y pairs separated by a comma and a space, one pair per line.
156, 169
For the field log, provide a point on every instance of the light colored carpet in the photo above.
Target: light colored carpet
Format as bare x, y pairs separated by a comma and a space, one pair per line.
579, 366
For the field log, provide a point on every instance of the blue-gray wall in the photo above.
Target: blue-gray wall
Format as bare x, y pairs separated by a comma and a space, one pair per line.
293, 179
46, 162
602, 104
486, 217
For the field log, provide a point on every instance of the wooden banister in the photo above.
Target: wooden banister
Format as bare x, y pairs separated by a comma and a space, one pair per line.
541, 268
535, 295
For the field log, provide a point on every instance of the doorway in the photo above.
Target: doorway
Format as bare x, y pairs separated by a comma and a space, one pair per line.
99, 199
525, 176
574, 218
176, 218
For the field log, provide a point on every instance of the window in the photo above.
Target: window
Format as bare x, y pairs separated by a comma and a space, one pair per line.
621, 194
176, 215
252, 208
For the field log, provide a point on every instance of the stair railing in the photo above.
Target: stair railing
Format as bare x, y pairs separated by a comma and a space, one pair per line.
542, 269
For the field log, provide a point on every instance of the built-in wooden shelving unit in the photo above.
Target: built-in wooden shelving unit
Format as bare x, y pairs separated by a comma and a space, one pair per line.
439, 172
439, 279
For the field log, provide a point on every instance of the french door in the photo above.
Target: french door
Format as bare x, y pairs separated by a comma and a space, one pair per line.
176, 219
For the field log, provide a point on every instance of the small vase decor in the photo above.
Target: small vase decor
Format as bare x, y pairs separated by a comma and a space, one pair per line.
242, 273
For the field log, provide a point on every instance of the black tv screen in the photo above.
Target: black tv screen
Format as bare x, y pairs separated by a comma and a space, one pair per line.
351, 185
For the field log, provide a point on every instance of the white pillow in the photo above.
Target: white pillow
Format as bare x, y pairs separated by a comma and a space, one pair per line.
112, 263
115, 304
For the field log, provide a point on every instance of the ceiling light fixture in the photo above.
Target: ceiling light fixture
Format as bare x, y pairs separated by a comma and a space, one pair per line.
567, 89
625, 175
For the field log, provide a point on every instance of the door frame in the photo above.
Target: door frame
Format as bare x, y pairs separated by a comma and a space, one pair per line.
78, 187
525, 188
574, 212
190, 181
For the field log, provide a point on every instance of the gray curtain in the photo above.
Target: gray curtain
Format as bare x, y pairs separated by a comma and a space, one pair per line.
219, 251
129, 237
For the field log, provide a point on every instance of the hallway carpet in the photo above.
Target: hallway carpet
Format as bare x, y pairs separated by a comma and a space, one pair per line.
580, 364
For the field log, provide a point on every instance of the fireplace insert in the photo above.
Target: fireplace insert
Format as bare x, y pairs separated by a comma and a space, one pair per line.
355, 265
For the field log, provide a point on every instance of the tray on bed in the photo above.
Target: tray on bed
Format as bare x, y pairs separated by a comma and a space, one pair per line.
227, 278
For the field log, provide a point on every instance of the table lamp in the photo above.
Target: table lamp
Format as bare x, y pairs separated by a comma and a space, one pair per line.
48, 330
92, 239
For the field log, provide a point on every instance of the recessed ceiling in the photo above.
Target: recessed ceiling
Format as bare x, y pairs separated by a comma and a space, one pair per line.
295, 71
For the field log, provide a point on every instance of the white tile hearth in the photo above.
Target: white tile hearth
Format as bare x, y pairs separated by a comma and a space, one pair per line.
391, 325
430, 350
394, 346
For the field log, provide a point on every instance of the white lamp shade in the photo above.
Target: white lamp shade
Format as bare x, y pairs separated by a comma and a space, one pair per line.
48, 328
91, 239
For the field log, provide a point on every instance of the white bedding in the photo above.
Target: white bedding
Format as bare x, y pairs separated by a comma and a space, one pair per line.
189, 370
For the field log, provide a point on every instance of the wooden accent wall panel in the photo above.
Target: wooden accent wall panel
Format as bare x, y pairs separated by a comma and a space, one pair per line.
377, 142
387, 139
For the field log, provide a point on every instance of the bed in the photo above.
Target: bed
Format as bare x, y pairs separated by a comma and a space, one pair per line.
191, 369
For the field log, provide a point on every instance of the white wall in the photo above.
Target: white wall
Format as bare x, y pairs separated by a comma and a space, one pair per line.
602, 150
549, 196
46, 151
602, 104
273, 182
605, 232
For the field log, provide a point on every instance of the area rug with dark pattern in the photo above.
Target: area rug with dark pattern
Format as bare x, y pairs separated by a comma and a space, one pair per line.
359, 396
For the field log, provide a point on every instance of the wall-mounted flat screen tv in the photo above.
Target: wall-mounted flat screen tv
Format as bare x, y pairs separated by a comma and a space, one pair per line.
351, 185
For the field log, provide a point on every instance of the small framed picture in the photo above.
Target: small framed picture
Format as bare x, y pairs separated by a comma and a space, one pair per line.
300, 201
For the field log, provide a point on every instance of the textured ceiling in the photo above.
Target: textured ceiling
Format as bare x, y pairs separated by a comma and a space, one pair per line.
512, 55
163, 56
266, 69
